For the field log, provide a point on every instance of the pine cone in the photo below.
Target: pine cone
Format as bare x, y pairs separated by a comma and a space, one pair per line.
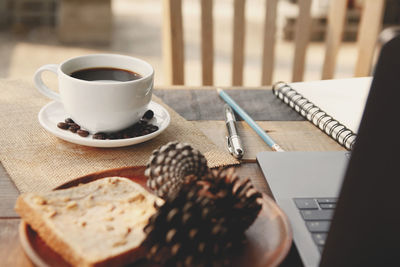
170, 164
236, 200
203, 221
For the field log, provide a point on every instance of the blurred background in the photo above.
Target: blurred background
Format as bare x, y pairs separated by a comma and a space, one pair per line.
38, 32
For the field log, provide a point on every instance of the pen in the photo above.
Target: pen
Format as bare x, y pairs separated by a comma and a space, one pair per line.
234, 144
271, 143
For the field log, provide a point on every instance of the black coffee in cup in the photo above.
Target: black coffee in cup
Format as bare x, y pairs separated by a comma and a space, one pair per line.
105, 74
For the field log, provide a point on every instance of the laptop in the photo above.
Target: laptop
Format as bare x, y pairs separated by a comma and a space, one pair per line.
344, 208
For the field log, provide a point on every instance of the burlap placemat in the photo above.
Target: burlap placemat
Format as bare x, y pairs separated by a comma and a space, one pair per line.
38, 161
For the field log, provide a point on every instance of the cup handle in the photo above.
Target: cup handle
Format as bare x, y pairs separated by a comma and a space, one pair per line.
40, 84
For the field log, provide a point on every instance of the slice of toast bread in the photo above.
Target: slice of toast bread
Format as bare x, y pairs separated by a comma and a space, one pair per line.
96, 224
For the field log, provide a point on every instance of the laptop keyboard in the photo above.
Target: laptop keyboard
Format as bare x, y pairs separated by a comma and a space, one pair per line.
317, 214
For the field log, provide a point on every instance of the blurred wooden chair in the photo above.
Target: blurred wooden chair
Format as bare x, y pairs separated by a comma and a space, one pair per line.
173, 41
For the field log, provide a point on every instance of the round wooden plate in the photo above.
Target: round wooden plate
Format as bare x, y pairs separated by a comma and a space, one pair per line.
268, 239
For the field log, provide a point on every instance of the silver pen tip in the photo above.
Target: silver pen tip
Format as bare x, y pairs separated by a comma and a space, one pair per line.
239, 153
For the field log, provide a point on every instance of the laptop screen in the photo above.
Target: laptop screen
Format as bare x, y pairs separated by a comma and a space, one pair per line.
366, 226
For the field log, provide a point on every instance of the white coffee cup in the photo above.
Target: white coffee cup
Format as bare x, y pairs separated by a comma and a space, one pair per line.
104, 105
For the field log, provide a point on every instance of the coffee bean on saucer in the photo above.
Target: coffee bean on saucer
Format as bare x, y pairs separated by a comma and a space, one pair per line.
69, 120
148, 114
126, 135
113, 136
63, 125
135, 134
100, 135
154, 128
118, 135
82, 133
73, 127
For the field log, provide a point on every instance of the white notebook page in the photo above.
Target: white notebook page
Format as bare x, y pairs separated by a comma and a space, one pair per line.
343, 99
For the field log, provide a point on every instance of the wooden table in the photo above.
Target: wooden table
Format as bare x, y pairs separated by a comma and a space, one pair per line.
292, 135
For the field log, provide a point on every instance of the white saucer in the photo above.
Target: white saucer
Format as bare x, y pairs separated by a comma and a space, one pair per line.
54, 112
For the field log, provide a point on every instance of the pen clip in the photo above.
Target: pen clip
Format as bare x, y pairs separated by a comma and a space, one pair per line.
229, 145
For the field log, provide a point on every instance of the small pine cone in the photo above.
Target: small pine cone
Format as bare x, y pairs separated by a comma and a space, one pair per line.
186, 231
237, 200
203, 221
169, 166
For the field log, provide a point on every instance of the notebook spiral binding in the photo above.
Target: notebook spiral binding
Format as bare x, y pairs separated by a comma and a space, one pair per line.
314, 114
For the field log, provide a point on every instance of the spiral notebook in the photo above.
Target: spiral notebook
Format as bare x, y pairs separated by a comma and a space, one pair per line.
334, 106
